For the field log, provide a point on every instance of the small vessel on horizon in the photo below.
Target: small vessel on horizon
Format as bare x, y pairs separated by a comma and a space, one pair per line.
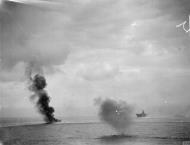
143, 114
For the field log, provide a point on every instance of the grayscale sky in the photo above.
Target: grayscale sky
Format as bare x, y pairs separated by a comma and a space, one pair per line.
123, 49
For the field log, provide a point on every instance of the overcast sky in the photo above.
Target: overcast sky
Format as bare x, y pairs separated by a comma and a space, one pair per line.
123, 49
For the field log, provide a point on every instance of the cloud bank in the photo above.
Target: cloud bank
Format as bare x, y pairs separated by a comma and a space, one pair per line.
103, 47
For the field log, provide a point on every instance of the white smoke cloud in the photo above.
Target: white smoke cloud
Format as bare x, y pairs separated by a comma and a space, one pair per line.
118, 114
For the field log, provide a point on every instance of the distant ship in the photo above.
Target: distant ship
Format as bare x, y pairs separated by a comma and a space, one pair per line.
143, 114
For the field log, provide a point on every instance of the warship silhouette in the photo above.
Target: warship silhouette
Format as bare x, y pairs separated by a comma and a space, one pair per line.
143, 114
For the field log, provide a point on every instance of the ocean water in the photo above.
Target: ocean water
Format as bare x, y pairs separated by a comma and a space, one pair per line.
143, 132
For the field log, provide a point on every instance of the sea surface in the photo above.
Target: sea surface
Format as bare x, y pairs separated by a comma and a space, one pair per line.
141, 132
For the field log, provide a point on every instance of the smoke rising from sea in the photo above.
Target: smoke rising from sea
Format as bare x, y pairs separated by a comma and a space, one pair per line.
37, 83
118, 114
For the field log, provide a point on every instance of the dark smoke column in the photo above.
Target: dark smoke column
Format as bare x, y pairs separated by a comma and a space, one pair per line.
37, 86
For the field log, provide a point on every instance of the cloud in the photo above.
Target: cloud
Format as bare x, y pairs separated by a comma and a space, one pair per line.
118, 46
12, 75
47, 35
97, 71
29, 33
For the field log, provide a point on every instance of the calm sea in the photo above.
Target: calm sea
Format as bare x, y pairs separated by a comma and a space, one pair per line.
141, 132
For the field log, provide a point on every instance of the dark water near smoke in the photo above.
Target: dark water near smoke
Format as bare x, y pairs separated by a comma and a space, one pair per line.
141, 132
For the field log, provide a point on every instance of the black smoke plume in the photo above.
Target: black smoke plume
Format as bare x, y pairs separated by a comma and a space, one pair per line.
118, 114
37, 85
